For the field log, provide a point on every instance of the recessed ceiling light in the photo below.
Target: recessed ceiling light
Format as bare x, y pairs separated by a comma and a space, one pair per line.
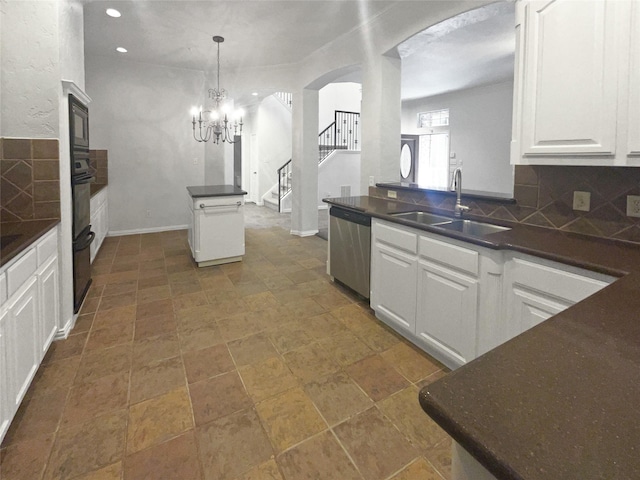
112, 12
255, 94
121, 50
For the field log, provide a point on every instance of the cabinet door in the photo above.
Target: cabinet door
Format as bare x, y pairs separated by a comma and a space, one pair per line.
6, 412
528, 308
570, 78
447, 312
49, 305
22, 337
393, 286
634, 83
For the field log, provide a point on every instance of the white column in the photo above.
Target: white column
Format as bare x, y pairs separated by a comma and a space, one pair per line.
304, 208
381, 117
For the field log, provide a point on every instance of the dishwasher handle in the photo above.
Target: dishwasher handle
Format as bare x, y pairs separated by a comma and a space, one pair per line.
351, 216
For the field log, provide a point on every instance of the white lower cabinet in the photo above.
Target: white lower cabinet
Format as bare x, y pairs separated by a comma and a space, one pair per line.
99, 220
28, 321
457, 300
447, 311
536, 289
23, 352
394, 267
5, 410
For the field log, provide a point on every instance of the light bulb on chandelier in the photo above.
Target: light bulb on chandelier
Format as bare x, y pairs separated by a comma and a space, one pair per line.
218, 127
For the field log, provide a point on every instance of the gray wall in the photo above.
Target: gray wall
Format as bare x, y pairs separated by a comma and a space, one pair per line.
140, 114
479, 132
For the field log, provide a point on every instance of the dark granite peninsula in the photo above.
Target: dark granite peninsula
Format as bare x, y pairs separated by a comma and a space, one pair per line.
559, 400
16, 237
214, 191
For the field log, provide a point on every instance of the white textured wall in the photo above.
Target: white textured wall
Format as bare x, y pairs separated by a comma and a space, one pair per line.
480, 132
340, 168
345, 96
273, 129
140, 113
71, 37
30, 78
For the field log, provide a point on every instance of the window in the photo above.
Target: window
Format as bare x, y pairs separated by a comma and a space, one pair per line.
433, 164
434, 118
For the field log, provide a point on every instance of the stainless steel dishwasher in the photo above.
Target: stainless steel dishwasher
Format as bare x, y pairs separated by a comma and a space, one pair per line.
350, 249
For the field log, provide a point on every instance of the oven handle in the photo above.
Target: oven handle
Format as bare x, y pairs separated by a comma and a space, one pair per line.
82, 179
90, 237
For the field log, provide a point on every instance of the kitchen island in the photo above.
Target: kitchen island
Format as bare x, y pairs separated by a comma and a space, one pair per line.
559, 400
216, 224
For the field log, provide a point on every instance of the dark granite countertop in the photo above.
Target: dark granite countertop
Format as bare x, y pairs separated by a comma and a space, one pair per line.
558, 401
466, 193
214, 191
18, 236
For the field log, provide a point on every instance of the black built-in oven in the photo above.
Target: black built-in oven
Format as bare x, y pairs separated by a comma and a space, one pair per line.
81, 179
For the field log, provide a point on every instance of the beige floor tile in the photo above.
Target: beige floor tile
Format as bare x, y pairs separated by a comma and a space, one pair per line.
260, 301
337, 397
103, 395
432, 378
37, 416
218, 396
419, 469
410, 362
208, 362
232, 445
109, 337
69, 347
121, 288
55, 375
320, 457
266, 379
84, 323
265, 471
404, 410
290, 418
290, 336
174, 459
346, 349
252, 349
310, 362
116, 317
239, 325
325, 325
152, 349
26, 460
154, 309
306, 307
197, 338
110, 472
101, 362
86, 447
159, 419
374, 444
440, 457
115, 301
155, 379
153, 294
154, 326
376, 377
190, 300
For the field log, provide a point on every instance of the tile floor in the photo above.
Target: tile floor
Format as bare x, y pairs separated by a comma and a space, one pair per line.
255, 370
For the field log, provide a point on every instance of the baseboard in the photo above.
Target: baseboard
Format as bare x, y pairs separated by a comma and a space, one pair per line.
119, 233
64, 332
306, 233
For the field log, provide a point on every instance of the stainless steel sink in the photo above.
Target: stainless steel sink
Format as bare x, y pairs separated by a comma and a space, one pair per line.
423, 217
471, 227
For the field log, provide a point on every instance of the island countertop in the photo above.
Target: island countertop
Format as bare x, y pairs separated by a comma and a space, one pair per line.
560, 400
201, 191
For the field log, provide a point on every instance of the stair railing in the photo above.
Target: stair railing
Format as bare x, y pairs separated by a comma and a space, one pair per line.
286, 98
342, 134
284, 182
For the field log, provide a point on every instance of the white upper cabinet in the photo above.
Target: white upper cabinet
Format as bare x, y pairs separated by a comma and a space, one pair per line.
569, 100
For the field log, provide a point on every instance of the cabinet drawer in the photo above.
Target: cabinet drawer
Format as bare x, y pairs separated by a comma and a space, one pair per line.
400, 239
460, 258
555, 282
47, 246
21, 270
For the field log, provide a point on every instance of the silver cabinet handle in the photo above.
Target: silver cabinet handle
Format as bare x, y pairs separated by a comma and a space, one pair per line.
237, 204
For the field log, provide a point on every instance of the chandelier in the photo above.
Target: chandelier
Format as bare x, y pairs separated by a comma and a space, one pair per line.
218, 125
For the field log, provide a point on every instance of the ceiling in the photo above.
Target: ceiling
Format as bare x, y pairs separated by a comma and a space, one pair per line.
471, 49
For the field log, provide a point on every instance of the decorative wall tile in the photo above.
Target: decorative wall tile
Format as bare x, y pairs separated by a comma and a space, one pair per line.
544, 197
29, 179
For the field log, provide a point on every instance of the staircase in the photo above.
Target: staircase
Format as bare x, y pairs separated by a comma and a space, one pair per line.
342, 134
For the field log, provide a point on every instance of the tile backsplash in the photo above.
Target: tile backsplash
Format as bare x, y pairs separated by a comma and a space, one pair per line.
98, 162
544, 197
29, 179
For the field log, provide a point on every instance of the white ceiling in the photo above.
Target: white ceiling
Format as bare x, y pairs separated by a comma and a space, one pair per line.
469, 50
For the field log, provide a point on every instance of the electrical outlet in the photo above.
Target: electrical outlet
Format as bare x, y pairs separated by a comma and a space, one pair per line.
633, 205
392, 194
582, 201
372, 181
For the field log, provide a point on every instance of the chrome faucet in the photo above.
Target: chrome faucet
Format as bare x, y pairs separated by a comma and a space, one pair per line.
456, 184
